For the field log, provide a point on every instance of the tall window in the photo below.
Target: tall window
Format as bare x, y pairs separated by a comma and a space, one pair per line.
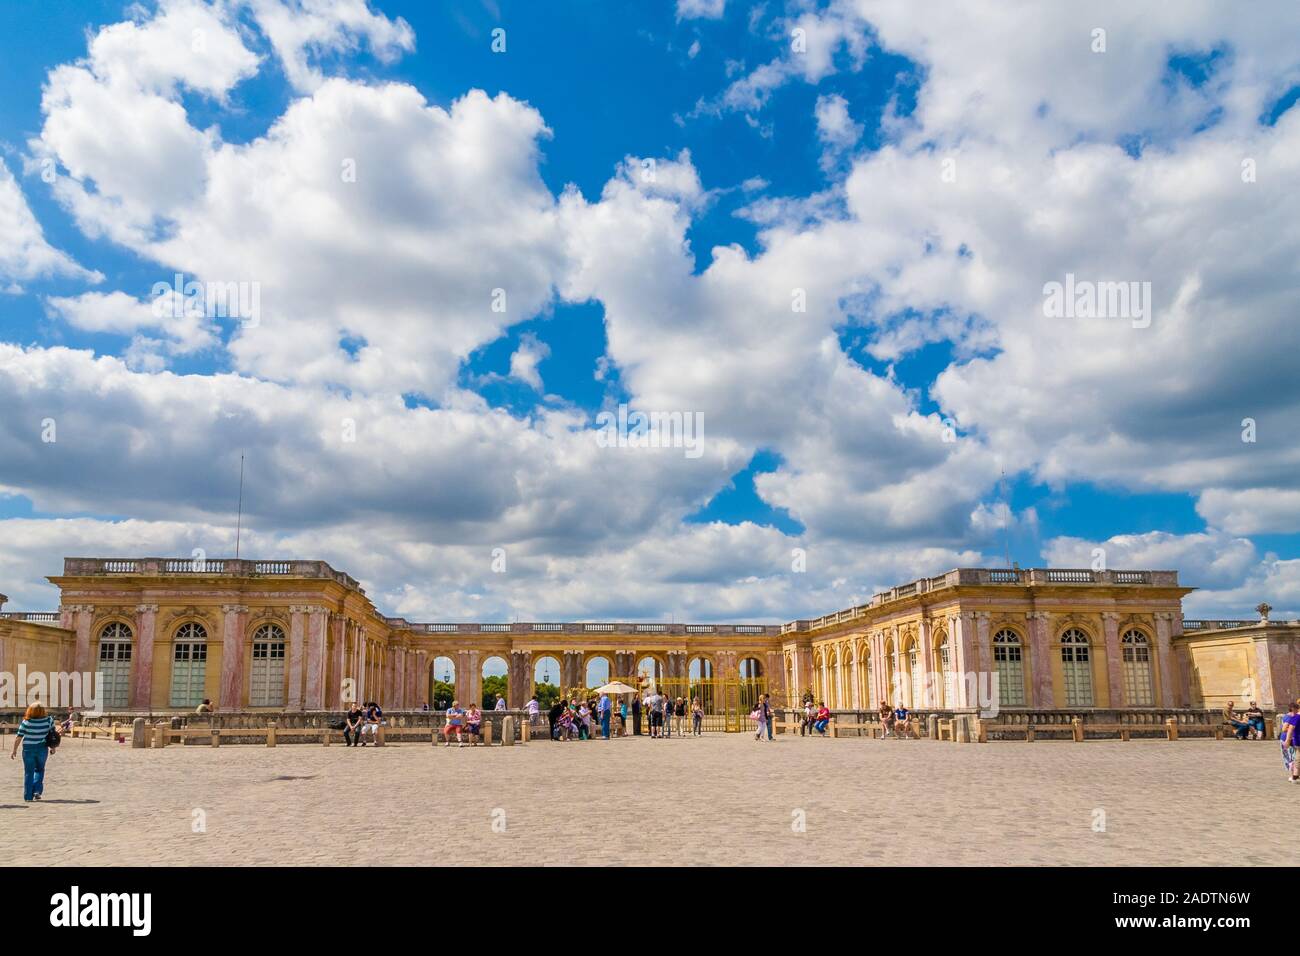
1137, 669
945, 671
266, 675
1009, 662
918, 678
1076, 668
873, 699
115, 666
189, 665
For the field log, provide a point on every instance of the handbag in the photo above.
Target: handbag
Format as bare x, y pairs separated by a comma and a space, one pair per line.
53, 739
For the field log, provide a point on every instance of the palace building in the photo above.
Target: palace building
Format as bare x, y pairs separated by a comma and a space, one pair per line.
164, 634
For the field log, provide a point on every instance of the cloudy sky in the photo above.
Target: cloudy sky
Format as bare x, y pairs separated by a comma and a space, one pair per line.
463, 231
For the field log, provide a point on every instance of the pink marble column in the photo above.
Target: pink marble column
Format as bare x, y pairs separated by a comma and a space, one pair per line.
1164, 648
338, 662
297, 629
983, 644
399, 678
316, 623
1040, 641
83, 614
363, 661
959, 628
232, 656
146, 619
1114, 673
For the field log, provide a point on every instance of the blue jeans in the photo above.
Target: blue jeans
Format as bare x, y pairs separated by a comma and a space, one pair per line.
820, 725
604, 725
34, 770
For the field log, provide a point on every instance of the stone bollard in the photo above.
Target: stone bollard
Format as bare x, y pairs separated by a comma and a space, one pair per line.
932, 727
270, 733
1076, 728
487, 731
379, 735
159, 736
525, 732
961, 730
1171, 729
138, 740
507, 731
216, 737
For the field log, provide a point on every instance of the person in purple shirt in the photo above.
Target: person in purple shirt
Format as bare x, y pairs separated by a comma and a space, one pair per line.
1290, 737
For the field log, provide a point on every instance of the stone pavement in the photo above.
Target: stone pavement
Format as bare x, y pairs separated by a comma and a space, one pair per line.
713, 800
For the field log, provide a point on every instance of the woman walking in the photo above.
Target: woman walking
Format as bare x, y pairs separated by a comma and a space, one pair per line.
34, 733
697, 716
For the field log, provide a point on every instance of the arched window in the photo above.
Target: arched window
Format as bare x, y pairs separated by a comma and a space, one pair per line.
266, 675
945, 672
189, 665
872, 697
1137, 669
833, 685
918, 676
1076, 668
115, 666
1010, 665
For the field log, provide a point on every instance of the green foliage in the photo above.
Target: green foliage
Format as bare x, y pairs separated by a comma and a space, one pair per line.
443, 695
547, 695
491, 687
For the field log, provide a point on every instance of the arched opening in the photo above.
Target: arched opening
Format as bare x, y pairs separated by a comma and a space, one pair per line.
115, 666
597, 673
546, 682
266, 668
751, 683
442, 683
496, 683
702, 686
189, 664
1136, 652
650, 669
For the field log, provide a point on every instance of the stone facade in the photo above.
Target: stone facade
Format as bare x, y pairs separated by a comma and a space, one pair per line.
300, 636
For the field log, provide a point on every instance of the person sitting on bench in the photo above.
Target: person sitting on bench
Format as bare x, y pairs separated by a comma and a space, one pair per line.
455, 725
822, 719
903, 722
1239, 727
886, 719
1255, 717
474, 725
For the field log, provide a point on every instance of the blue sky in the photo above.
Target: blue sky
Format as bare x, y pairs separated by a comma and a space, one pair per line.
918, 414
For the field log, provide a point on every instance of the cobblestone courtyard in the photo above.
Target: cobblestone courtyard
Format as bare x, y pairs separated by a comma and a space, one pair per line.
714, 800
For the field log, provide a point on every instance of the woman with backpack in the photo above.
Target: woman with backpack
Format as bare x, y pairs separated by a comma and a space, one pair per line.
39, 740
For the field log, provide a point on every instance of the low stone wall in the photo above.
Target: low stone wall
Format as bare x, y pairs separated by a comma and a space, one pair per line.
398, 725
1145, 722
